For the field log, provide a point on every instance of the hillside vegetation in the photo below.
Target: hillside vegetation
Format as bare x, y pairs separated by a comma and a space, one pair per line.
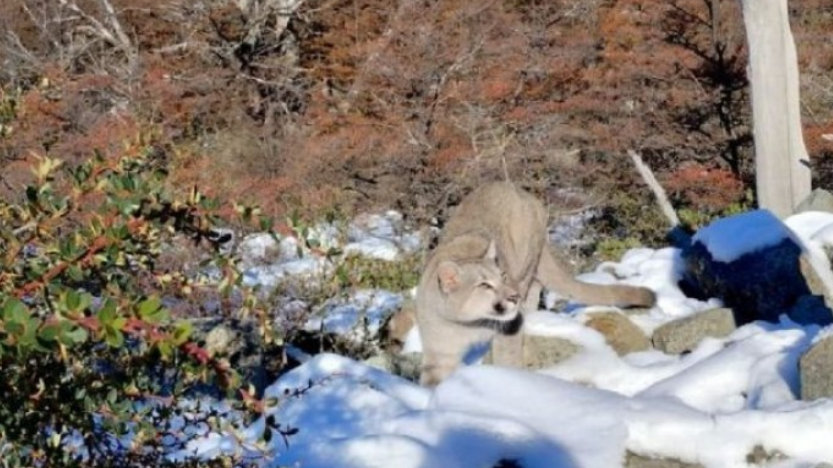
343, 106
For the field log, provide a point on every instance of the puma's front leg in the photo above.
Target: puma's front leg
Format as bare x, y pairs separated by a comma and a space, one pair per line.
507, 350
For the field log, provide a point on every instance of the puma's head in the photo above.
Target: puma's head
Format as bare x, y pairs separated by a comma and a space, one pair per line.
478, 291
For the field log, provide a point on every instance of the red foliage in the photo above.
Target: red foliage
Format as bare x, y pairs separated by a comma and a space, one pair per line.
371, 102
706, 189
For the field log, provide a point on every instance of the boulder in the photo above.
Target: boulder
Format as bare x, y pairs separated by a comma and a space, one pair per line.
258, 249
760, 456
540, 352
753, 263
819, 291
816, 370
683, 334
620, 333
633, 460
818, 200
385, 226
222, 340
407, 365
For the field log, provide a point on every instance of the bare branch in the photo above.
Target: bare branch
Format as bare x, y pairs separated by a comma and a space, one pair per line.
110, 30
659, 192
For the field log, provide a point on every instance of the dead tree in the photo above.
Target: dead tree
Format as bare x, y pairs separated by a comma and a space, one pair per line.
781, 163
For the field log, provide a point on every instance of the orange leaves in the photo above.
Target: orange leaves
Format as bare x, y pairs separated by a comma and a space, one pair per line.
704, 188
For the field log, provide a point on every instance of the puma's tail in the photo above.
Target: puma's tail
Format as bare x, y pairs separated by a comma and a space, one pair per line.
556, 277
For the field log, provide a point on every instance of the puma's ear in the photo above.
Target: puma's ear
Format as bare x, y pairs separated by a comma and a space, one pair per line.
491, 252
448, 275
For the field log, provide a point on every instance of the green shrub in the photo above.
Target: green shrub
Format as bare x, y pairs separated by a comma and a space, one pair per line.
363, 272
89, 351
612, 249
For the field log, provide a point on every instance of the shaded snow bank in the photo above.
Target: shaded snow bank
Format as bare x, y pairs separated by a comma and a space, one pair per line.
355, 416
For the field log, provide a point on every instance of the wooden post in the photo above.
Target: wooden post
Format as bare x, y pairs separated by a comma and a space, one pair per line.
781, 163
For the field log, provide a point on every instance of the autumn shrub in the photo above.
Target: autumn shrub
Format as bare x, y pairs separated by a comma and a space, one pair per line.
703, 193
94, 370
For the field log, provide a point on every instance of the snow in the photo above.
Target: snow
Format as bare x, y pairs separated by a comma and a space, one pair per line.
712, 406
363, 309
729, 238
270, 276
373, 247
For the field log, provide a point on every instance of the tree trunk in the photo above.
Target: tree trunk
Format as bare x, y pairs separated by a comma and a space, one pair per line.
781, 163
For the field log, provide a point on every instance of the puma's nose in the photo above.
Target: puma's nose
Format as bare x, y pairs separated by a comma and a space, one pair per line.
499, 308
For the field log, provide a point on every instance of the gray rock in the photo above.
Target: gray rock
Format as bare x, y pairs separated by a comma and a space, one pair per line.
257, 249
407, 365
816, 370
683, 334
540, 352
619, 332
222, 340
760, 456
633, 460
290, 249
758, 285
818, 200
386, 226
380, 361
814, 281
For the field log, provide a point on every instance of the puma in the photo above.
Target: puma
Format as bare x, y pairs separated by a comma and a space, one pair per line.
488, 268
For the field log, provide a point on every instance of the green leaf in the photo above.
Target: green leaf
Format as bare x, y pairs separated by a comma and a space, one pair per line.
73, 300
182, 331
72, 336
50, 331
14, 310
112, 395
75, 273
113, 337
118, 323
151, 311
107, 313
15, 329
149, 306
29, 338
165, 349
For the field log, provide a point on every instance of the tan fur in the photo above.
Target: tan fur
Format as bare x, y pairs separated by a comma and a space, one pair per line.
497, 234
399, 326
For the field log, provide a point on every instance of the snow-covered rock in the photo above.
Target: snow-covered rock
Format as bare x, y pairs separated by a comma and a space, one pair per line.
753, 262
374, 247
258, 249
270, 276
359, 316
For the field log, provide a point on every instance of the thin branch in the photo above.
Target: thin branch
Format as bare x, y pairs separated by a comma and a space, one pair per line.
659, 192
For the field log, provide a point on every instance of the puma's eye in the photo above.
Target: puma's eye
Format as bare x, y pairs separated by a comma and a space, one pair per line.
485, 285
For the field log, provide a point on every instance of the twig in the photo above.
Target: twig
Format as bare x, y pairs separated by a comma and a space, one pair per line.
653, 184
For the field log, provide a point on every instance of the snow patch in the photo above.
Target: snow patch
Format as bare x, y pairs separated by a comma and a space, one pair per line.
727, 239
